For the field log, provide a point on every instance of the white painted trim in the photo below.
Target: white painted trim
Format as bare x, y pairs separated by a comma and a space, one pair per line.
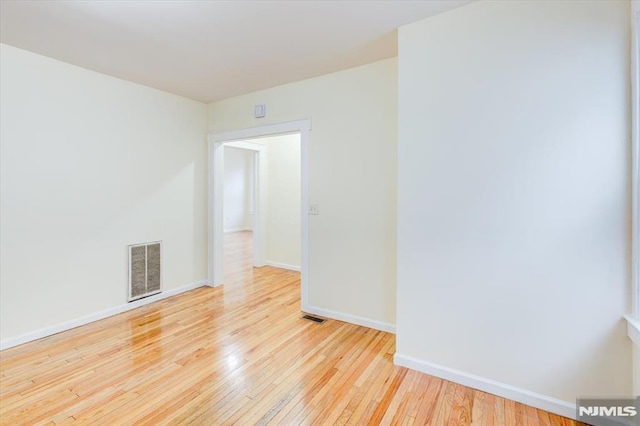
352, 319
215, 259
261, 131
522, 396
49, 331
633, 330
635, 157
633, 320
282, 266
214, 220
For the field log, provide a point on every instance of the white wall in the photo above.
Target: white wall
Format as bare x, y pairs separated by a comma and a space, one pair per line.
513, 194
352, 173
90, 164
238, 189
283, 201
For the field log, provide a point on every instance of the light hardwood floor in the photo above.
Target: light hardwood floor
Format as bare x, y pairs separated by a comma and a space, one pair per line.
237, 354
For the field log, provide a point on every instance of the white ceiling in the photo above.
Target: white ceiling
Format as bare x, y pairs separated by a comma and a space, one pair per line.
211, 50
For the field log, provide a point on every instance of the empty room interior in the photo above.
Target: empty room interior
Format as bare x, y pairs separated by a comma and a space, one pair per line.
319, 212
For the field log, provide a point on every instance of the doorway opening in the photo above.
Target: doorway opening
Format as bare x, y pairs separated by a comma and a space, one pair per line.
239, 205
279, 235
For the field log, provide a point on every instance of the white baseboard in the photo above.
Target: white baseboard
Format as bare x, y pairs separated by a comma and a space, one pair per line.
353, 319
48, 331
229, 231
523, 396
283, 266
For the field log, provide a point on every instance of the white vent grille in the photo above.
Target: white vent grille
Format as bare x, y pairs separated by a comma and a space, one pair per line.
145, 270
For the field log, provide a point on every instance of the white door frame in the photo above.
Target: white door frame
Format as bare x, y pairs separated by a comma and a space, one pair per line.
215, 219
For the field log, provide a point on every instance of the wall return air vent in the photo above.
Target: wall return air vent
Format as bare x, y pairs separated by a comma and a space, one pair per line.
145, 270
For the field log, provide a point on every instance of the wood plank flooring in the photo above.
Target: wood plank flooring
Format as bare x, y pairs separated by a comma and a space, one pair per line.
237, 354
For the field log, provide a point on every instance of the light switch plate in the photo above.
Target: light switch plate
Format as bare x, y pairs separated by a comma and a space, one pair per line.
314, 208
